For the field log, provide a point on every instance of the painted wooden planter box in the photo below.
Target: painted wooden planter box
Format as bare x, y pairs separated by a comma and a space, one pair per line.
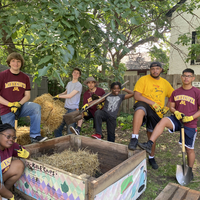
123, 178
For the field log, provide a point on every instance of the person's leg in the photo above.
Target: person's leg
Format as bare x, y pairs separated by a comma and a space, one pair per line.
33, 110
11, 176
8, 118
111, 125
70, 125
149, 134
190, 157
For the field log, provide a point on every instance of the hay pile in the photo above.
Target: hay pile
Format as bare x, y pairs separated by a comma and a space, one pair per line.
23, 135
78, 163
52, 111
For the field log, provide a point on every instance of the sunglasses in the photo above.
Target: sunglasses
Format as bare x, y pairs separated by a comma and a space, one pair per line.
9, 137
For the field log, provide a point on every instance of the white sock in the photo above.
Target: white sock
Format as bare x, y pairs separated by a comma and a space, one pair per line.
135, 136
150, 157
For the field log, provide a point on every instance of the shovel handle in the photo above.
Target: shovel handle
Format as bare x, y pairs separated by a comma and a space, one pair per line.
102, 98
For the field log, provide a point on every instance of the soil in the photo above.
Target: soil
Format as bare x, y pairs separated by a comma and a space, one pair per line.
168, 155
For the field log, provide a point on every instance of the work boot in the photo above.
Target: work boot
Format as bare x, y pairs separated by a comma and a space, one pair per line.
133, 144
146, 146
153, 163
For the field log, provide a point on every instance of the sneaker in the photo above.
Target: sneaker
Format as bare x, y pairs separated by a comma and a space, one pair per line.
146, 146
96, 136
133, 144
74, 130
38, 139
153, 163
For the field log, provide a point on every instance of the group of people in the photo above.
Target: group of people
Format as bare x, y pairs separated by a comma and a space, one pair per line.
149, 93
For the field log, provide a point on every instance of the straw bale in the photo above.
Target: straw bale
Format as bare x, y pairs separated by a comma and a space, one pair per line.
78, 163
52, 111
23, 135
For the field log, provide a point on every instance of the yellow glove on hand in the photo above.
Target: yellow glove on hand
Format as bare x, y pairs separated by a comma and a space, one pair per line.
11, 104
13, 198
56, 97
187, 119
14, 106
164, 110
156, 107
100, 106
178, 115
22, 153
84, 107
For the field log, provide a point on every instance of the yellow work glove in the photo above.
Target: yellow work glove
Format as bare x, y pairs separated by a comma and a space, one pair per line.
12, 198
56, 97
22, 153
100, 106
84, 109
178, 115
156, 107
164, 110
187, 119
14, 106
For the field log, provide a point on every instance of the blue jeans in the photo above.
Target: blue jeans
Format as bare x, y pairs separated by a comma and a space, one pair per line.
58, 131
33, 110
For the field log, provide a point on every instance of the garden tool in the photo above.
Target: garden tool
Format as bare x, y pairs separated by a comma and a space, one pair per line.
77, 115
183, 172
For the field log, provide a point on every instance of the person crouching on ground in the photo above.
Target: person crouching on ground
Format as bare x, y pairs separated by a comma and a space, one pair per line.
91, 94
11, 169
109, 111
185, 104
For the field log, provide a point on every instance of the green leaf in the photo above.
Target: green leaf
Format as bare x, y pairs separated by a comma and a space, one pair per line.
43, 71
134, 21
13, 19
45, 59
57, 75
112, 23
35, 60
71, 49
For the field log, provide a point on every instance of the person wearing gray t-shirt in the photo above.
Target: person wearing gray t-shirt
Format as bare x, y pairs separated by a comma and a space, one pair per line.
72, 97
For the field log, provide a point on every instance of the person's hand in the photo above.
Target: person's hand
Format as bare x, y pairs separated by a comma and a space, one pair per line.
100, 105
164, 110
187, 119
84, 107
156, 107
12, 198
56, 97
122, 87
14, 106
95, 97
22, 153
178, 115
85, 113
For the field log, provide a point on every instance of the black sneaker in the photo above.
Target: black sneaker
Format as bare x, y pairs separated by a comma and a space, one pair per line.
146, 146
38, 139
153, 163
133, 144
74, 130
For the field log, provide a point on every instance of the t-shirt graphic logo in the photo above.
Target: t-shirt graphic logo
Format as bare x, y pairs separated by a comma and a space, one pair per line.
15, 89
183, 102
113, 103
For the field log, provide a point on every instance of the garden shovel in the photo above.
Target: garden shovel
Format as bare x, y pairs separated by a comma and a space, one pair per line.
77, 115
183, 172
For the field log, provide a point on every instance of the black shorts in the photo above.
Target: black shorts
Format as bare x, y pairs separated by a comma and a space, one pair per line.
90, 116
151, 118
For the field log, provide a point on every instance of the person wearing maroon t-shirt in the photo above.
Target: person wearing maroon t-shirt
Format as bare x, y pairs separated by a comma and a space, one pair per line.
185, 104
11, 170
14, 95
87, 98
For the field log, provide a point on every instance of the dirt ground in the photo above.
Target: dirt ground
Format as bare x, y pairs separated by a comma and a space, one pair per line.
168, 155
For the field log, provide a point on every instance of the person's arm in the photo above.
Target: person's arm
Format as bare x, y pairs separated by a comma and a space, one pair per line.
3, 101
68, 96
138, 97
172, 107
130, 93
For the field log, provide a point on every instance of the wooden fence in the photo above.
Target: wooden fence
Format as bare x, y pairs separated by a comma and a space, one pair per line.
174, 80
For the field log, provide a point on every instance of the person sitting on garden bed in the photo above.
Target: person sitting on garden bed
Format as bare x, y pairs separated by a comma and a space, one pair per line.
109, 112
185, 105
91, 94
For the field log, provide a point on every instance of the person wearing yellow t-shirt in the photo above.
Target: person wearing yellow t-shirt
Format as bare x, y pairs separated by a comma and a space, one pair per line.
149, 93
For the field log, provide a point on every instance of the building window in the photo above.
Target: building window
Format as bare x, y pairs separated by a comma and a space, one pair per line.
195, 40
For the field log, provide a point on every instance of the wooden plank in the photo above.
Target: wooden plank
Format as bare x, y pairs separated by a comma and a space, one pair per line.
192, 195
167, 192
25, 196
180, 193
101, 183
